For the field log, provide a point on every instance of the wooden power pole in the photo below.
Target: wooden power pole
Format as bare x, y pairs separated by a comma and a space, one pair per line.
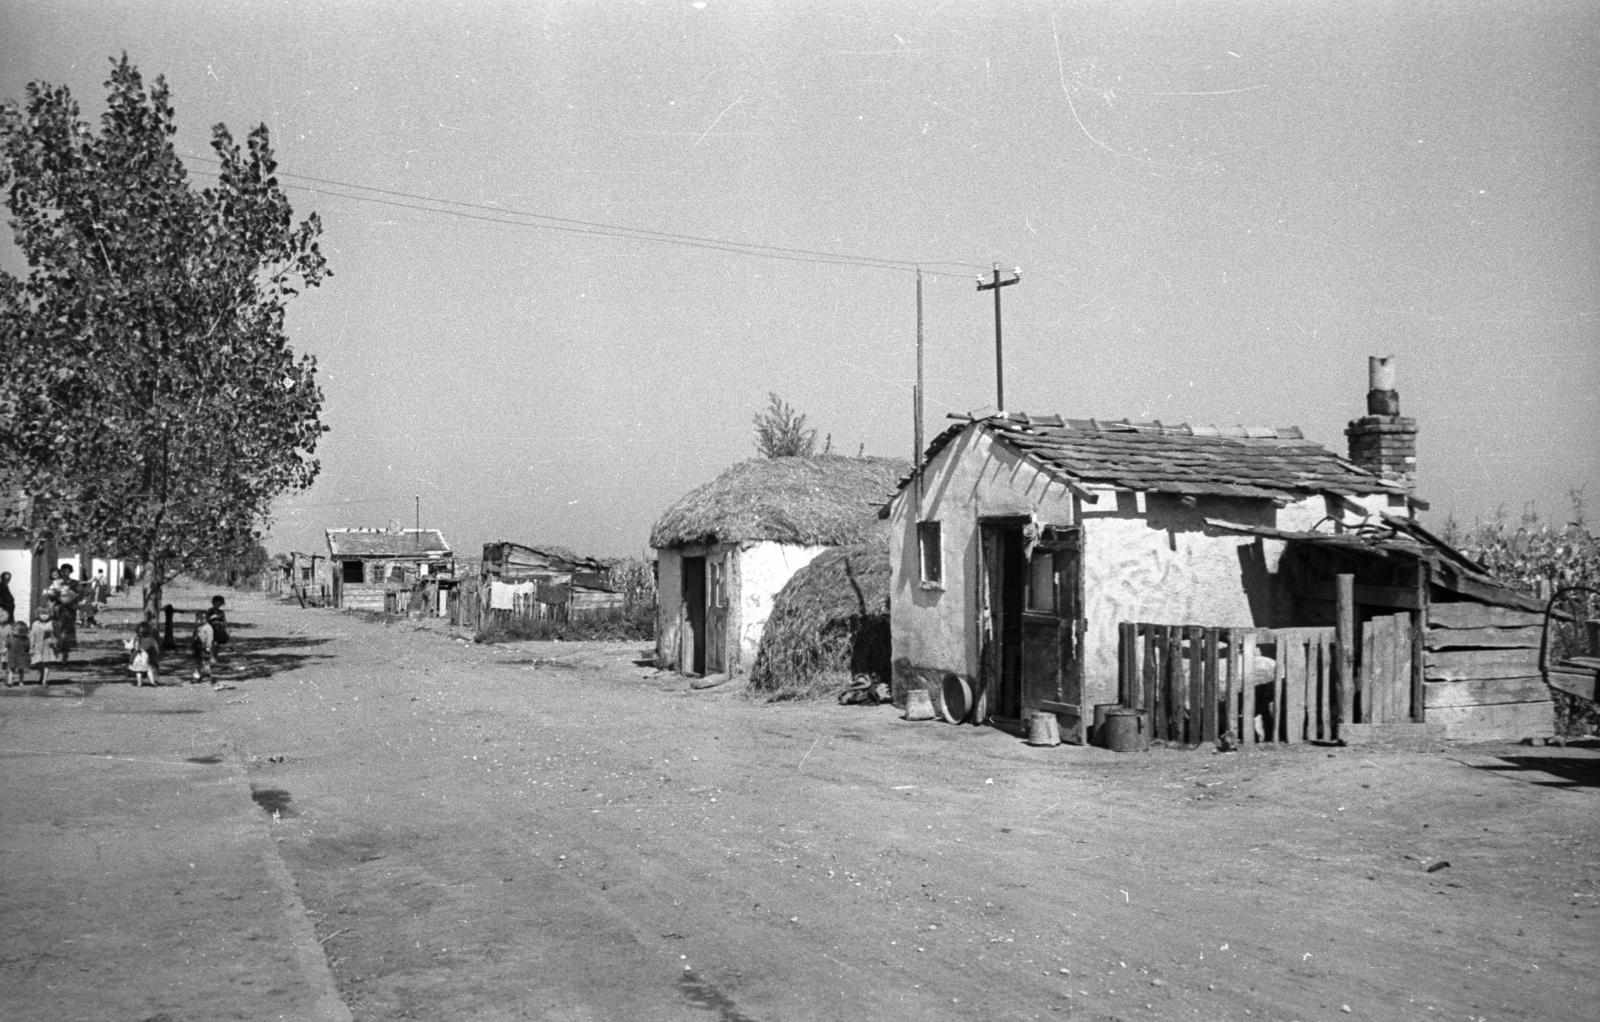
999, 359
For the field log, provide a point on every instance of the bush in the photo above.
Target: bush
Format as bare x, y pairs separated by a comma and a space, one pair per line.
636, 622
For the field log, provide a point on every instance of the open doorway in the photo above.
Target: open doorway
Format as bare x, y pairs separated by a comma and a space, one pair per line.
692, 656
1033, 624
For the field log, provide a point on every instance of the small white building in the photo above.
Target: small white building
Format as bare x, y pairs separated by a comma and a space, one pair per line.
1036, 556
30, 562
725, 549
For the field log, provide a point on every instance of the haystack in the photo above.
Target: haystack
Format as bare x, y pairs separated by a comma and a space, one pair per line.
829, 624
827, 500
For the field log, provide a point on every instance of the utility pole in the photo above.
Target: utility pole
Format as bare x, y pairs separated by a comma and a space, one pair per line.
418, 499
999, 361
916, 400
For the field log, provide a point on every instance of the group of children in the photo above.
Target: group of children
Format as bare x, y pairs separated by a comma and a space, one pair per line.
210, 632
34, 647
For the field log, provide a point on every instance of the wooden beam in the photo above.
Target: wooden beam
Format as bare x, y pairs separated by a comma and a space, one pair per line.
1507, 638
1493, 692
1344, 647
1371, 596
1480, 615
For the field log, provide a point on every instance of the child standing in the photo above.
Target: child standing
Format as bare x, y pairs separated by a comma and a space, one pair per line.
203, 644
16, 653
218, 619
144, 656
42, 644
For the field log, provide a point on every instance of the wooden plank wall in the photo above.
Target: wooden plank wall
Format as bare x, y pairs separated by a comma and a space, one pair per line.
1481, 672
1383, 674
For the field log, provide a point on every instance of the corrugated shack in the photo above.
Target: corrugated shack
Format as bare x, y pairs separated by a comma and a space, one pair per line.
1239, 581
380, 569
549, 583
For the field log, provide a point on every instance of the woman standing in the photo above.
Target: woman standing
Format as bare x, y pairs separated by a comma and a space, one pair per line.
63, 596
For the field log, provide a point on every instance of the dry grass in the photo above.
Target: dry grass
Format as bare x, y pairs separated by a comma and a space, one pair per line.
826, 500
829, 624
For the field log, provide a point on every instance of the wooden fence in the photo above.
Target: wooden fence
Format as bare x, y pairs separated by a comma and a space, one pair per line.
1197, 684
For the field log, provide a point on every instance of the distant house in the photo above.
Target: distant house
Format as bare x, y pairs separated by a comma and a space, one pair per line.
1042, 564
547, 582
725, 549
368, 563
30, 562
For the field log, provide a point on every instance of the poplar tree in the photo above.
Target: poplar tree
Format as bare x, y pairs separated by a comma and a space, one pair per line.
150, 402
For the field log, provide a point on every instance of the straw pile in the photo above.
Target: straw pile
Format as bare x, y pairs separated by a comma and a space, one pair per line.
826, 500
829, 624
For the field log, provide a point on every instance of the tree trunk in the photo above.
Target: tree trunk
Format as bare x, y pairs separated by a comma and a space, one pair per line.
152, 592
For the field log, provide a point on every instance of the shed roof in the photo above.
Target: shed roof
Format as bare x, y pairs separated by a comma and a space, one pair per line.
404, 543
1229, 461
826, 500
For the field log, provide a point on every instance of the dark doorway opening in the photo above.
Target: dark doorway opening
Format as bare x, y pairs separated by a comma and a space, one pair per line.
693, 655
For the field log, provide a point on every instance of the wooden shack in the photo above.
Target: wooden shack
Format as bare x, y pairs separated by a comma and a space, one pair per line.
371, 568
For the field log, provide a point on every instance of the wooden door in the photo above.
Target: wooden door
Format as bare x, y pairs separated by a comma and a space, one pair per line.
1052, 633
716, 614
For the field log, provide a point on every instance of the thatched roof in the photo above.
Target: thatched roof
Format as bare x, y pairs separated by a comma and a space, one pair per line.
827, 500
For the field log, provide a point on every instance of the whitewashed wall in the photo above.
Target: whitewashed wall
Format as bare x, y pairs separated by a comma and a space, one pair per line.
764, 568
1146, 558
17, 558
669, 605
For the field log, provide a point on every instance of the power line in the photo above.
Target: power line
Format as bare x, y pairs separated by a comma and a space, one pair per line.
586, 227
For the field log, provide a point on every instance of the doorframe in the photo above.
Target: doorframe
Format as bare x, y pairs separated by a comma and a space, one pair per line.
989, 651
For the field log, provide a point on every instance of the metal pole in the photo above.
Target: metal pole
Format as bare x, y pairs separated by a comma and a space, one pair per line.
418, 499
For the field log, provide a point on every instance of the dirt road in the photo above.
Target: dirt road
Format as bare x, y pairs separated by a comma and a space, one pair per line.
554, 832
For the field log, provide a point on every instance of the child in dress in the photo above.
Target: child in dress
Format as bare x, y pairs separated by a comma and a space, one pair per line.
144, 656
16, 648
42, 644
203, 644
218, 619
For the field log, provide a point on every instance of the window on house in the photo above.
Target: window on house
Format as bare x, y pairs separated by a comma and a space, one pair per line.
354, 572
1042, 582
719, 588
931, 545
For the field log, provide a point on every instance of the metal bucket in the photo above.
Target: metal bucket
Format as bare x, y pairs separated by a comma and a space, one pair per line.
918, 705
1125, 730
1043, 729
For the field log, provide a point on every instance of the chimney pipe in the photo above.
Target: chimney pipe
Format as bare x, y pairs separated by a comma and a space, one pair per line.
1384, 442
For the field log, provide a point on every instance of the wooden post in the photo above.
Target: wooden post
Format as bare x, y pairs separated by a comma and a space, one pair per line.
1344, 637
1127, 684
1150, 661
1419, 629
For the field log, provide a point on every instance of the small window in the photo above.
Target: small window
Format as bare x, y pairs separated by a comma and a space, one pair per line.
1042, 582
354, 572
931, 545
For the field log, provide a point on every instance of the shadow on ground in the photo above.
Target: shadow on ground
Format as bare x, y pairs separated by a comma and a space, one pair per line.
1563, 771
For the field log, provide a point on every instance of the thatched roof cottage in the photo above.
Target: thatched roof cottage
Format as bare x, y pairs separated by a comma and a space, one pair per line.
725, 549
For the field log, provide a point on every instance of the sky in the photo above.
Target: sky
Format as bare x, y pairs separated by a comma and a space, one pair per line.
1219, 211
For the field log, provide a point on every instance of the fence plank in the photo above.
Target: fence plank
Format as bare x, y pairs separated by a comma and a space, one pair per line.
1208, 715
1125, 685
1197, 674
1229, 725
1400, 686
1175, 683
1247, 690
1147, 649
1293, 647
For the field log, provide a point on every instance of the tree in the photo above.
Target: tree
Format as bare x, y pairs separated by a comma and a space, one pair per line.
149, 399
780, 433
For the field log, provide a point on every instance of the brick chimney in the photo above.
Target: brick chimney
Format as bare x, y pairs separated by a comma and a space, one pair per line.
1383, 441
